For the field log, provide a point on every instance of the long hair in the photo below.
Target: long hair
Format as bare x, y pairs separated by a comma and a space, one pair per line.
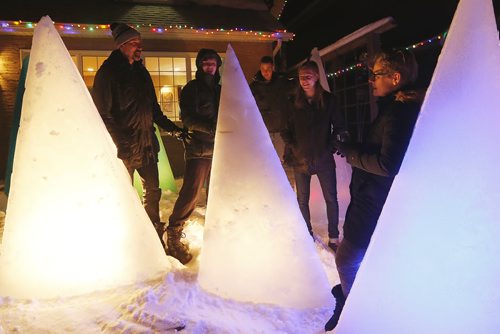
300, 95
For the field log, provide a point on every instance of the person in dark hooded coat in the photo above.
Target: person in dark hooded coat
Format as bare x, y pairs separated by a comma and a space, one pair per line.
199, 103
125, 97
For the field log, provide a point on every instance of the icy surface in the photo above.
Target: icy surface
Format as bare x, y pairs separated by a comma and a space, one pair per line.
433, 263
74, 223
255, 234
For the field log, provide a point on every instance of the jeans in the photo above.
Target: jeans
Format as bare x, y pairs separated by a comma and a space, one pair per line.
328, 182
348, 259
195, 175
151, 188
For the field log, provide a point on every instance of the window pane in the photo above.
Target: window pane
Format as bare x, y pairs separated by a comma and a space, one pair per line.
193, 65
88, 78
151, 63
89, 64
156, 79
180, 78
167, 94
166, 64
166, 79
180, 64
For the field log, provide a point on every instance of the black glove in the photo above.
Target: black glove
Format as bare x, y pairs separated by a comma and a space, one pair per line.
181, 134
341, 143
342, 148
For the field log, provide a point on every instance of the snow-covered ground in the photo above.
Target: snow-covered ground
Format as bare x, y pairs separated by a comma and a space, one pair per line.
174, 300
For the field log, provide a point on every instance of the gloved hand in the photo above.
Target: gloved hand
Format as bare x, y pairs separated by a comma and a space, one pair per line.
341, 143
342, 148
181, 134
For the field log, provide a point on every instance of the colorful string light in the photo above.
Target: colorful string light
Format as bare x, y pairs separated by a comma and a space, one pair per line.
409, 47
282, 9
70, 28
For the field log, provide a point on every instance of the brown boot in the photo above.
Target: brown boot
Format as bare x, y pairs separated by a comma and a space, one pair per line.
175, 247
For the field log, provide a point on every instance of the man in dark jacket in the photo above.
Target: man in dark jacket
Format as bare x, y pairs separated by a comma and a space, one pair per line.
125, 97
199, 102
271, 92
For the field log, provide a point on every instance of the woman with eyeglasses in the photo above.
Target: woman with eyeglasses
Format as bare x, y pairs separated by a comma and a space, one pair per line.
375, 162
309, 134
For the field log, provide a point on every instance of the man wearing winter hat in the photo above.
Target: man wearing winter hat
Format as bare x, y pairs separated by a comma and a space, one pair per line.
125, 97
199, 102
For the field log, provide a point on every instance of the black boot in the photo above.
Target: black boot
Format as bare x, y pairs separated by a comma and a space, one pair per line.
175, 247
339, 305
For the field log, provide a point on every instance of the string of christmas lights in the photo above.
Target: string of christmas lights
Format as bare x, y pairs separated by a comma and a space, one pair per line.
362, 65
73, 28
282, 9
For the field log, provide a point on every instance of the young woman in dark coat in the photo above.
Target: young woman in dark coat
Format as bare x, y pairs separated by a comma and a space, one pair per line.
311, 125
375, 162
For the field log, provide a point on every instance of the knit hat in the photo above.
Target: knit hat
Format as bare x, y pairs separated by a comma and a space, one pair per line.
205, 54
123, 33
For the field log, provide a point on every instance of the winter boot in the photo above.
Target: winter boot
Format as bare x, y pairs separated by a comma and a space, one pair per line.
333, 243
160, 229
339, 305
175, 247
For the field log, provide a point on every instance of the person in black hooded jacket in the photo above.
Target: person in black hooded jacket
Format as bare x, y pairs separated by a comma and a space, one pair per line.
125, 97
376, 162
199, 102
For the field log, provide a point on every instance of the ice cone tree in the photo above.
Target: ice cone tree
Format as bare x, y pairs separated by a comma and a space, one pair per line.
74, 223
432, 266
256, 244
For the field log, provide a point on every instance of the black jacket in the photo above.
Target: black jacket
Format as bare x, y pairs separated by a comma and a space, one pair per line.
125, 97
375, 164
199, 102
271, 97
310, 134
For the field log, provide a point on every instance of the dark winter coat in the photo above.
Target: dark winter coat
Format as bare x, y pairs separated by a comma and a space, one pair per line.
310, 134
125, 97
271, 97
199, 102
376, 162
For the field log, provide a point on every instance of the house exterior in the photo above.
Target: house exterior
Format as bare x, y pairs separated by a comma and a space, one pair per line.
172, 32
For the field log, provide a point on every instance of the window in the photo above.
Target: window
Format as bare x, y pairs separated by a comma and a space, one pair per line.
90, 65
169, 76
169, 71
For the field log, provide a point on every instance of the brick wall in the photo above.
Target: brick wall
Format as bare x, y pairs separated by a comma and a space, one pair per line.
249, 55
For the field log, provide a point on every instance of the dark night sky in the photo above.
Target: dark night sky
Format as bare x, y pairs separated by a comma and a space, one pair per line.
329, 20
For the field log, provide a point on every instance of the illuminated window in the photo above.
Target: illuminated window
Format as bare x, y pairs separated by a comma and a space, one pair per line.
90, 65
169, 76
169, 71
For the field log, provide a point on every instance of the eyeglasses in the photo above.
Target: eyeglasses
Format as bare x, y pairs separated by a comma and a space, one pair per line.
373, 75
135, 44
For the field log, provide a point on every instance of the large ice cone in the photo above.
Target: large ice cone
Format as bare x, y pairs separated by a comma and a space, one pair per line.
74, 223
256, 244
433, 263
